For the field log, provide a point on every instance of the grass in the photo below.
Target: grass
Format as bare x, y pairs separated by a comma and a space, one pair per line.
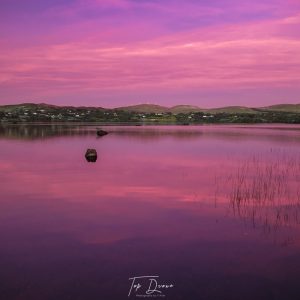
264, 190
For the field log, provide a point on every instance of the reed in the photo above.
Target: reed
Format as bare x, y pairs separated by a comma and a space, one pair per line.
264, 189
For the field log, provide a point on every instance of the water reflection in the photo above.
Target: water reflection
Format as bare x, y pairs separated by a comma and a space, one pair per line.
75, 230
43, 131
264, 192
236, 133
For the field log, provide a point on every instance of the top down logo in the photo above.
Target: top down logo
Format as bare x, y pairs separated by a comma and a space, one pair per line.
148, 286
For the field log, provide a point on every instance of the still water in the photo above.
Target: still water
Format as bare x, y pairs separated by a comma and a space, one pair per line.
211, 210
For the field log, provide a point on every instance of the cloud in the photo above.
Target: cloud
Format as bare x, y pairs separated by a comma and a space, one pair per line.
108, 47
245, 55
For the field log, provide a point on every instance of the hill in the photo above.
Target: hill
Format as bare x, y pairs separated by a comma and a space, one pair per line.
153, 108
144, 108
295, 108
232, 110
39, 106
185, 109
143, 113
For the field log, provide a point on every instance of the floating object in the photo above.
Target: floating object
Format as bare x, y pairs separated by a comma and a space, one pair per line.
91, 155
101, 132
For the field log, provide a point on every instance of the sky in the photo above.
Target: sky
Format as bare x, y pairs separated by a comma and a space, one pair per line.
110, 53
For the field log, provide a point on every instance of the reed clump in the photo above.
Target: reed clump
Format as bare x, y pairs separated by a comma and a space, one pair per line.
265, 189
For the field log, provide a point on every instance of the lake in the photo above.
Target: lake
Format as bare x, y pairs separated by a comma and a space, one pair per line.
205, 212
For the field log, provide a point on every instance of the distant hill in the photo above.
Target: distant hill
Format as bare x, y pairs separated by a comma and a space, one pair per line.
144, 108
184, 109
25, 106
232, 110
283, 107
152, 108
29, 106
143, 113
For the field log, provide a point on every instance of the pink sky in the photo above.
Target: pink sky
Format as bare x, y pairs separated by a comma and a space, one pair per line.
120, 52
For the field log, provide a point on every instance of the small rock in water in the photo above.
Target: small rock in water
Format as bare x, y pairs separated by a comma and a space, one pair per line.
101, 132
91, 155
